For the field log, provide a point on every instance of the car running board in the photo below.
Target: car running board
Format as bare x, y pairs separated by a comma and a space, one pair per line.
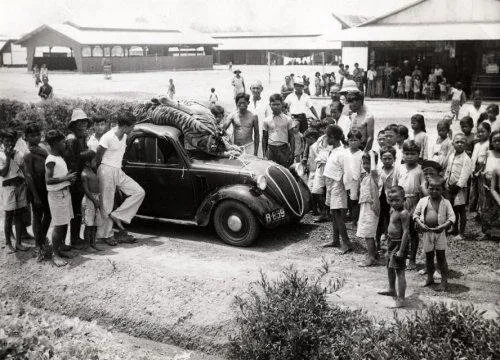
170, 221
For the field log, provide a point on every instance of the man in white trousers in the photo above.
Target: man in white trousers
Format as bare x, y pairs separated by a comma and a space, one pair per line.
110, 153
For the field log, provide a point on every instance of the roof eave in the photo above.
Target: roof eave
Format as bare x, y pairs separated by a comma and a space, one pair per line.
393, 12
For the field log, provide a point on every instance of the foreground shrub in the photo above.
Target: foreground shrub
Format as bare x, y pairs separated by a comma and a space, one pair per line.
56, 113
289, 318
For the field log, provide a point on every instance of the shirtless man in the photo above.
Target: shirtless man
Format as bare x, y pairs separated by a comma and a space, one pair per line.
398, 233
245, 124
361, 119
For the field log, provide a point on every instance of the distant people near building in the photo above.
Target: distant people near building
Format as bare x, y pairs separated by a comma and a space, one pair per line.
245, 126
300, 104
44, 72
394, 78
278, 140
307, 82
106, 67
171, 89
213, 99
341, 74
317, 83
292, 78
371, 74
230, 65
287, 87
443, 89
387, 80
45, 91
347, 74
408, 84
475, 109
417, 72
439, 73
238, 83
358, 76
36, 75
259, 107
416, 87
458, 98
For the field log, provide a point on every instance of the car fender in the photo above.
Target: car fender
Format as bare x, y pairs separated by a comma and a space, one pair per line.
259, 205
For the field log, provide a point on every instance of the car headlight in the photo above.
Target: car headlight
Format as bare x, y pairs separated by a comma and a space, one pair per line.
261, 182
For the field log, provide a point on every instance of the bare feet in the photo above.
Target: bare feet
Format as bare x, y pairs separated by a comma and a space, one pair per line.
429, 282
95, 247
21, 247
110, 241
65, 254
400, 303
412, 265
391, 293
368, 262
345, 251
332, 244
10, 249
442, 287
65, 247
58, 261
124, 237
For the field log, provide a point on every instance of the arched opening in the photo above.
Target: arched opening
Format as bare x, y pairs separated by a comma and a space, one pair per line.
55, 57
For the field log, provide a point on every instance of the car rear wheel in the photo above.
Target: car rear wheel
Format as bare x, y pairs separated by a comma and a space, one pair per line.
235, 223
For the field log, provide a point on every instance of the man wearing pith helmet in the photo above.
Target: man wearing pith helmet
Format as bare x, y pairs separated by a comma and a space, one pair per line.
258, 107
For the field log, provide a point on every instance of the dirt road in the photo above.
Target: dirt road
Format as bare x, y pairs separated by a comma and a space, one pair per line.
177, 284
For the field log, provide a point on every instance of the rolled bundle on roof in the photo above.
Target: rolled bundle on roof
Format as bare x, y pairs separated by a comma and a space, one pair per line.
199, 129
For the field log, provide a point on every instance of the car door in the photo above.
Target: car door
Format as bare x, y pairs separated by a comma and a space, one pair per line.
156, 165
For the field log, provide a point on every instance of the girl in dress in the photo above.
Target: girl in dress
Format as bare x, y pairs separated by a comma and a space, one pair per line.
443, 146
478, 163
420, 135
491, 209
370, 206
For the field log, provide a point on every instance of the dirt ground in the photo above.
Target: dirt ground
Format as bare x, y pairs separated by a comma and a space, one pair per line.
177, 284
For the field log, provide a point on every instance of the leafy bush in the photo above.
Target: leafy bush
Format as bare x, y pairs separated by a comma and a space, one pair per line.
289, 318
56, 113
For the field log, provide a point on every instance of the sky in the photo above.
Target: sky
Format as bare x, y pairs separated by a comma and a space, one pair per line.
21, 16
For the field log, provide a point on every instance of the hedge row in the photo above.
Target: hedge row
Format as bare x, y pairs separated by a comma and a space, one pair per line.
56, 113
289, 319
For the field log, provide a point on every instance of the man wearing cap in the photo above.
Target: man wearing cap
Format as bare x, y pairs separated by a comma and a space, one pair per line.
258, 107
299, 104
361, 118
238, 83
75, 145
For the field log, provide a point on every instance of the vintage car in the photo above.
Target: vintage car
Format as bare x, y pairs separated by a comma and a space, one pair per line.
237, 195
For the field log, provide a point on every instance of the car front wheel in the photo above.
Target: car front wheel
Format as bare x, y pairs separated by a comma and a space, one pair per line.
235, 224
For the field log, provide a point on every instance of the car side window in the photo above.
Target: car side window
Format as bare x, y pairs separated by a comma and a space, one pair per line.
151, 150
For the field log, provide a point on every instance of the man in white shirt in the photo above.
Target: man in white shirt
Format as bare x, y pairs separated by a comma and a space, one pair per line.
258, 107
371, 74
300, 104
109, 158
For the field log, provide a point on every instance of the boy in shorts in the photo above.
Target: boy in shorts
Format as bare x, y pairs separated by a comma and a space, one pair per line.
398, 236
91, 212
433, 215
13, 193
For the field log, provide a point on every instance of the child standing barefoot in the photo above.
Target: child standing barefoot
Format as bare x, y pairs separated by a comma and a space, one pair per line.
352, 175
457, 175
478, 160
411, 178
13, 192
386, 178
91, 201
336, 195
370, 206
58, 181
398, 234
434, 214
34, 169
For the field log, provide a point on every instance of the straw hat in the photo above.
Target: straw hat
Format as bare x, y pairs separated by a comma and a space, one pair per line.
298, 81
237, 71
349, 86
256, 84
78, 114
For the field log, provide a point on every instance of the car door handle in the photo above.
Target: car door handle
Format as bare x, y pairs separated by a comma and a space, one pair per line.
182, 173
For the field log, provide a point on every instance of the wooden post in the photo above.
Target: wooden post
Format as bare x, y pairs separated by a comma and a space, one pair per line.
269, 67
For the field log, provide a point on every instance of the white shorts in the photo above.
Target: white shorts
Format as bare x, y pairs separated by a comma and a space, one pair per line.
60, 207
318, 186
336, 195
90, 215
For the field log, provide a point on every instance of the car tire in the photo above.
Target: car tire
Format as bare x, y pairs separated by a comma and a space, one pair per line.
231, 215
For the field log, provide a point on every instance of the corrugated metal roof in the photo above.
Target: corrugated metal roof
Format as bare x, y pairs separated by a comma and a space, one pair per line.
421, 32
122, 36
224, 35
277, 43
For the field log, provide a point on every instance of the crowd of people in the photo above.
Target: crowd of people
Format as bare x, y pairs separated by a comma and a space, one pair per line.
409, 191
65, 180
41, 76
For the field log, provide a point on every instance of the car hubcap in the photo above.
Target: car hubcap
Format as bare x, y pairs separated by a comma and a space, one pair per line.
234, 223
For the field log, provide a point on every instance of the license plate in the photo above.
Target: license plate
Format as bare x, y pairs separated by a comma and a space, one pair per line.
275, 215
